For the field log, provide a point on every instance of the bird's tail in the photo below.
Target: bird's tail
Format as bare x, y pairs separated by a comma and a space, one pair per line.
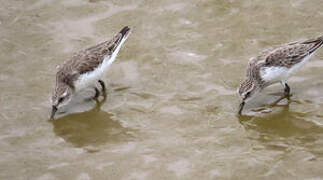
119, 39
317, 43
124, 31
116, 43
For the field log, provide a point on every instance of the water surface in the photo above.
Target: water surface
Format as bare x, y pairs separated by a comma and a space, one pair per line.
171, 106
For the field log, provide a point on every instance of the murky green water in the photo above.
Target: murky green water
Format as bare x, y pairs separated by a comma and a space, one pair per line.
171, 106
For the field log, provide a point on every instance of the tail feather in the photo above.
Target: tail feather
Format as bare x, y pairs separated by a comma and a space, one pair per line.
118, 38
124, 31
315, 40
316, 43
116, 44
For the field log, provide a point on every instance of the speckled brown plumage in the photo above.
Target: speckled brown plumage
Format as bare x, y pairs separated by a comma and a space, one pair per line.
87, 60
292, 54
286, 55
78, 68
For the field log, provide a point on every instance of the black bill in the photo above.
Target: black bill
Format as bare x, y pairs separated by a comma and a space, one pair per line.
54, 109
241, 107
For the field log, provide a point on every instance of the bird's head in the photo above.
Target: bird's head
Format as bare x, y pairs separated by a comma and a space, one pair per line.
247, 90
61, 96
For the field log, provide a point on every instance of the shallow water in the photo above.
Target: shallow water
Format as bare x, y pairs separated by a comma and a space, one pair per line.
171, 106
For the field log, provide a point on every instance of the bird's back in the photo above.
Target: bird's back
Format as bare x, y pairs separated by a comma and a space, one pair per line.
88, 60
287, 55
277, 63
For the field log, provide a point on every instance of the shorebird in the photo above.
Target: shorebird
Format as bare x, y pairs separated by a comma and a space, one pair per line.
85, 69
276, 65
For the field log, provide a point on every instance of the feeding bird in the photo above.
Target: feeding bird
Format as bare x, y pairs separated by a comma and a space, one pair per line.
276, 65
85, 69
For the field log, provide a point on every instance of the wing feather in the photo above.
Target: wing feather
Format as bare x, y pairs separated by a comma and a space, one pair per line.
292, 53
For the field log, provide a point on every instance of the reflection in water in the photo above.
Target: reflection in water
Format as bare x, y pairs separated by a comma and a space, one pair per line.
175, 84
283, 128
260, 111
94, 127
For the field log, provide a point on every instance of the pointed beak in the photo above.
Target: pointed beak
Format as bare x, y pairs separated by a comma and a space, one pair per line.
241, 107
54, 109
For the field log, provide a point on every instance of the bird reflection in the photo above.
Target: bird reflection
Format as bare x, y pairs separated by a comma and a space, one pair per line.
91, 128
262, 110
278, 129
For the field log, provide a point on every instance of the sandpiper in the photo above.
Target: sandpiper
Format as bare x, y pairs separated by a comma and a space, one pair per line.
276, 65
85, 69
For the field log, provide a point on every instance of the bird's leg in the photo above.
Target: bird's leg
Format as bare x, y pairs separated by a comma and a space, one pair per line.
103, 87
97, 93
241, 107
286, 94
286, 90
99, 103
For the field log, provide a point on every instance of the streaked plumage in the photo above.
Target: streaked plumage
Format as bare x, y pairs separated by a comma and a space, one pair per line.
85, 68
275, 65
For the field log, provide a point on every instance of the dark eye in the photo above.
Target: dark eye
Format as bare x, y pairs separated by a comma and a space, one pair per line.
248, 94
60, 99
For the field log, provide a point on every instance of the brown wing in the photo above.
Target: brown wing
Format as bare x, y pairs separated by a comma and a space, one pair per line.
88, 59
293, 53
82, 62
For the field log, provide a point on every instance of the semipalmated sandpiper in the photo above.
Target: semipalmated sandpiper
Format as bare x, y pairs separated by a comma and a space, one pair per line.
85, 69
276, 65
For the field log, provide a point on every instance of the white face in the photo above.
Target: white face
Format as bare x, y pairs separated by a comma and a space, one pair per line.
250, 95
62, 99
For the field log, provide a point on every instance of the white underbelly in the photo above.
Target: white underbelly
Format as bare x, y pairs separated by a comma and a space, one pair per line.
276, 74
90, 78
